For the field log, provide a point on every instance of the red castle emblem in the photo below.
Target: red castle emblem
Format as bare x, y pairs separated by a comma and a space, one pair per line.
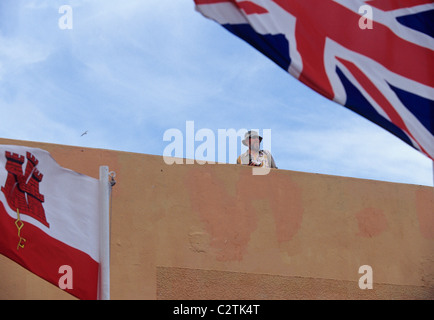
22, 190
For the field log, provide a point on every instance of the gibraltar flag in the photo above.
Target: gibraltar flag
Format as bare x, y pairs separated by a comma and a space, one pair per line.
49, 219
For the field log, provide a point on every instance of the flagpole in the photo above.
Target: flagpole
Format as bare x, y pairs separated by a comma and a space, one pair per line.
104, 225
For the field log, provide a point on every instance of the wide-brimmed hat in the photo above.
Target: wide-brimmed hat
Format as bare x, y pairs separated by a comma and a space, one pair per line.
249, 134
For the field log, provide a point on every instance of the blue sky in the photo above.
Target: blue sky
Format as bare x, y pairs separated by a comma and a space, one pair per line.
129, 71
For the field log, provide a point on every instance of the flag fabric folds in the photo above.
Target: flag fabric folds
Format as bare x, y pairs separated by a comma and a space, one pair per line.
374, 57
49, 219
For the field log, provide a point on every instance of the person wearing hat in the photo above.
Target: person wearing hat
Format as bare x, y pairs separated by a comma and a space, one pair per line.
255, 156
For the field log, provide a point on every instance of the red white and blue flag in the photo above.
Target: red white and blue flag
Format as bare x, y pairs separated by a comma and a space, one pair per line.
49, 219
374, 57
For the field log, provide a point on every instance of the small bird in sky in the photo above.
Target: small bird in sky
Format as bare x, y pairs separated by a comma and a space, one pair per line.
83, 133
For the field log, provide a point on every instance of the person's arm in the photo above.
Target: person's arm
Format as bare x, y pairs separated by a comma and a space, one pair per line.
273, 164
270, 159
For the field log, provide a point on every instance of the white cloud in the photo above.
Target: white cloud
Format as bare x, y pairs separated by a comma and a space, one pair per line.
18, 54
357, 149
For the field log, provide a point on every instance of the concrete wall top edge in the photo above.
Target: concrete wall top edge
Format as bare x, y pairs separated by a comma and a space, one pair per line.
48, 146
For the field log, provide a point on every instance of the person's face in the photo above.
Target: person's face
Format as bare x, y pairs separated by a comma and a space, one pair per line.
254, 143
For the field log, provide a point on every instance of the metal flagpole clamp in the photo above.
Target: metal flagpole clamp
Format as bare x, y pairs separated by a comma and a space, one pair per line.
112, 176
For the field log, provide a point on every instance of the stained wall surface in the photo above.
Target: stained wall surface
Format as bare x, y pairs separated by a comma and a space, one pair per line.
215, 231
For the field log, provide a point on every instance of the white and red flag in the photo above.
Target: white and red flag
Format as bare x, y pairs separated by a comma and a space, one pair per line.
49, 218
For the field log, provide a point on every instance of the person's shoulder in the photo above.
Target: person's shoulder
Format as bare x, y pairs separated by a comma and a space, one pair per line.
240, 157
244, 154
266, 152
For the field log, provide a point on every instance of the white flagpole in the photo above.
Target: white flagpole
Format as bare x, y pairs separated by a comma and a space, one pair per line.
104, 225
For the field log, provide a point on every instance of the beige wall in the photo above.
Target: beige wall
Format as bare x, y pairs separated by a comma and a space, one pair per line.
218, 232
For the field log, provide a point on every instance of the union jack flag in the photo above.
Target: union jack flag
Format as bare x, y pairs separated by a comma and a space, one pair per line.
374, 57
